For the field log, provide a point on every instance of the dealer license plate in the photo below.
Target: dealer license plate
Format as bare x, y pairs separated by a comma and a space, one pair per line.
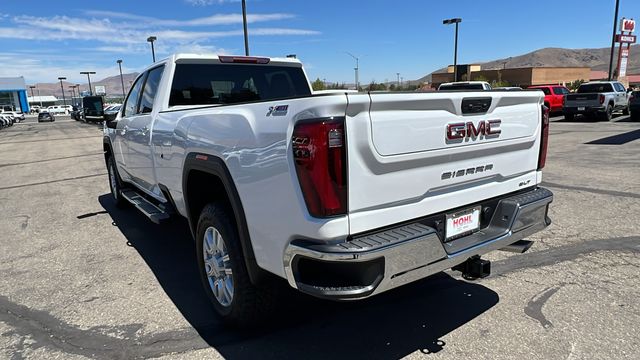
463, 222
580, 108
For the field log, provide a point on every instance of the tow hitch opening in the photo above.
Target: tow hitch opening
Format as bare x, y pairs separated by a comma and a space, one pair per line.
474, 268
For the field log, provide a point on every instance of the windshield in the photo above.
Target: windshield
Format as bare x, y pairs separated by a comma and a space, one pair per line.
595, 88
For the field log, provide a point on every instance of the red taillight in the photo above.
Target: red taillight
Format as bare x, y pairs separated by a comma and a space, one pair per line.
564, 99
243, 59
320, 156
601, 99
544, 138
631, 97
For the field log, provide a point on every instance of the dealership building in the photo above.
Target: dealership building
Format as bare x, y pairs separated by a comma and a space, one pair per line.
523, 77
13, 94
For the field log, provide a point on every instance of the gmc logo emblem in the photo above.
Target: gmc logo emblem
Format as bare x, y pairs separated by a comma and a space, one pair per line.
460, 131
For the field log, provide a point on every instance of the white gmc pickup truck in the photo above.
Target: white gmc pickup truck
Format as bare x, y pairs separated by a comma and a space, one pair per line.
344, 195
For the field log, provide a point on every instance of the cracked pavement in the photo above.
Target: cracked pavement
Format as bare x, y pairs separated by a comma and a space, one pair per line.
81, 279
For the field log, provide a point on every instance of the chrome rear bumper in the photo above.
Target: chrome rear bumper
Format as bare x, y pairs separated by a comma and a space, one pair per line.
373, 263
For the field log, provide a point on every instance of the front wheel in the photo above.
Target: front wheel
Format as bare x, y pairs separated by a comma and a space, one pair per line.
224, 273
115, 184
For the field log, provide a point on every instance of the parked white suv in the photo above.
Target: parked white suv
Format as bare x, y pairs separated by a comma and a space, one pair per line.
60, 109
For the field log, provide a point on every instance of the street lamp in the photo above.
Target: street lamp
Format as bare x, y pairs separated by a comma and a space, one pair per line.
121, 79
455, 47
613, 40
32, 87
88, 73
151, 39
357, 69
398, 74
64, 100
244, 23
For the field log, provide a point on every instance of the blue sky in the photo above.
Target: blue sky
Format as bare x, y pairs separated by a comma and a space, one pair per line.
43, 39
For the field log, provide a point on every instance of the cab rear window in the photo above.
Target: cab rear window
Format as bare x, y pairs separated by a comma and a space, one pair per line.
595, 88
212, 84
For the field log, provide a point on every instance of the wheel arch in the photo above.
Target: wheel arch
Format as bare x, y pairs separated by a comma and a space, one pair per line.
203, 169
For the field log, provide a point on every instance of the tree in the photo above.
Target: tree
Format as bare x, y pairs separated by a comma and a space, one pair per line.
318, 85
574, 85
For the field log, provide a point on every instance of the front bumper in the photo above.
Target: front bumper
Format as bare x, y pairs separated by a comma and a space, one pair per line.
376, 262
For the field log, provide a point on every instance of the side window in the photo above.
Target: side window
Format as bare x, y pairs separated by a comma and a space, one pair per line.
131, 105
618, 87
150, 89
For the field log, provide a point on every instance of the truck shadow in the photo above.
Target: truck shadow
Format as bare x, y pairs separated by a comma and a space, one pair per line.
412, 318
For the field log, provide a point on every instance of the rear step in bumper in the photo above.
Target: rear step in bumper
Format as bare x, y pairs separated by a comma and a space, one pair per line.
375, 263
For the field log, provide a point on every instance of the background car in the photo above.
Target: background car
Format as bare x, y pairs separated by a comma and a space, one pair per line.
111, 112
46, 116
553, 95
59, 109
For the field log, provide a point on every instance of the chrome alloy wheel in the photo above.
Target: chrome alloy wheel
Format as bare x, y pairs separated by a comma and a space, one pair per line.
217, 266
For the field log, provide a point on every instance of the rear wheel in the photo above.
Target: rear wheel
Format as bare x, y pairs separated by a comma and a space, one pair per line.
568, 117
608, 114
224, 273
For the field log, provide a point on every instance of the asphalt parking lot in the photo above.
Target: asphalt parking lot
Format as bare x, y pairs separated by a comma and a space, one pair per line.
82, 279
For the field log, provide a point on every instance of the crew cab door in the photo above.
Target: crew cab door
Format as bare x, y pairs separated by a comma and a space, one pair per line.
120, 144
621, 95
138, 138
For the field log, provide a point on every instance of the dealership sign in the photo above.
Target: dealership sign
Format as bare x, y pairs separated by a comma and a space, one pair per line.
100, 90
627, 25
630, 39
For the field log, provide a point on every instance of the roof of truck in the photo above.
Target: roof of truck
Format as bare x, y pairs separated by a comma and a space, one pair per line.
187, 56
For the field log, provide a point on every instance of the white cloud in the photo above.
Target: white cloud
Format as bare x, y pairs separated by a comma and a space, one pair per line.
36, 70
209, 2
213, 20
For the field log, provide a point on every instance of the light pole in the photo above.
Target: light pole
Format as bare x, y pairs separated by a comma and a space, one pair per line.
398, 74
357, 69
244, 23
64, 100
73, 92
121, 79
151, 39
613, 40
32, 87
78, 87
455, 46
88, 73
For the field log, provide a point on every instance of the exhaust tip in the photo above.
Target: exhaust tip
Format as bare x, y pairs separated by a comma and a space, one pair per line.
520, 246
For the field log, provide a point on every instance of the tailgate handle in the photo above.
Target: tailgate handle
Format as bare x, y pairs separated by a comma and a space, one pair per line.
476, 105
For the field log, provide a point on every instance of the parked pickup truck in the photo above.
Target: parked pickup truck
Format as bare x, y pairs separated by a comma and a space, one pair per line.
343, 195
464, 86
598, 98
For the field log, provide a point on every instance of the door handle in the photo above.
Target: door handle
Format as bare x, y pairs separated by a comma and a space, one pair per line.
145, 130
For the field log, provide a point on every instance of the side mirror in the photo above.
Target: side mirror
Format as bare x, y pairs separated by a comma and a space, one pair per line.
111, 124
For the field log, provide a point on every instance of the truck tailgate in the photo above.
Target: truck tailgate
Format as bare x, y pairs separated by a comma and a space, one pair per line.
404, 165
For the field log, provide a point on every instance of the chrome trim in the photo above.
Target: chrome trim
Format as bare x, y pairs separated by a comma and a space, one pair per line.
420, 257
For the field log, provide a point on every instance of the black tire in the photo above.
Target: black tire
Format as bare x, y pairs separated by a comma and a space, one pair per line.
608, 113
249, 305
569, 117
115, 184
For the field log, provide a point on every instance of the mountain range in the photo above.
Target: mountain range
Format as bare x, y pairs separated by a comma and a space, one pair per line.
112, 84
596, 59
